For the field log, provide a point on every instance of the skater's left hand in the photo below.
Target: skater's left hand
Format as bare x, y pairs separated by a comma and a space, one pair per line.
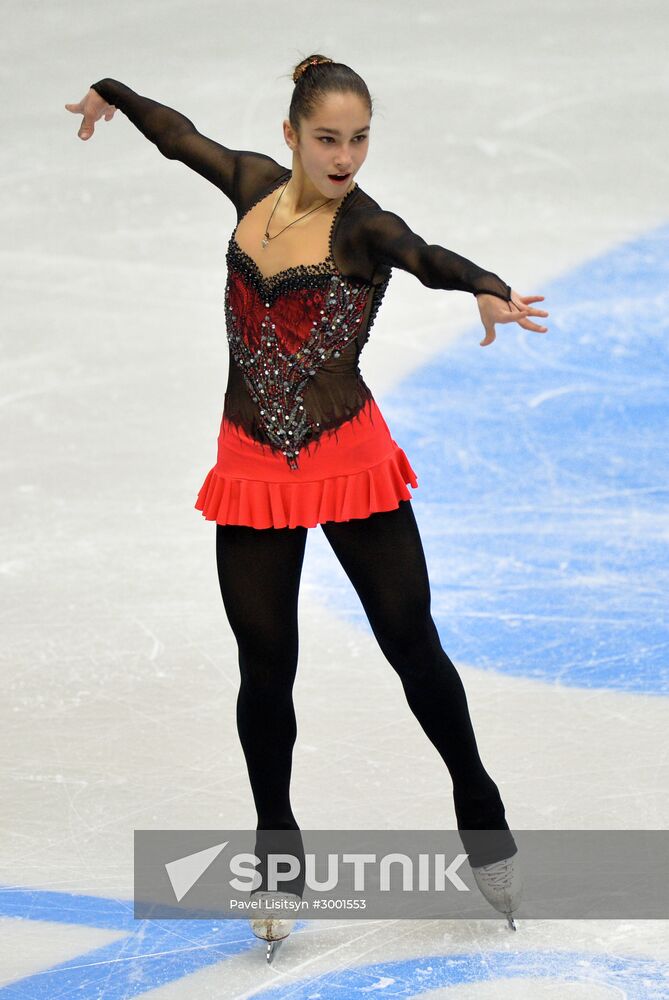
495, 310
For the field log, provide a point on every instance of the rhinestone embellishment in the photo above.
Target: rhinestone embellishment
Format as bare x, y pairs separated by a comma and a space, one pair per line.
275, 376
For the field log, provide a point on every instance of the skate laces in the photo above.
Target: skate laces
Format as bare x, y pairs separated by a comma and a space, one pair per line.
499, 873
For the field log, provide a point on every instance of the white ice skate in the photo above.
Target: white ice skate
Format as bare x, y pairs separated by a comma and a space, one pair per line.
501, 884
272, 921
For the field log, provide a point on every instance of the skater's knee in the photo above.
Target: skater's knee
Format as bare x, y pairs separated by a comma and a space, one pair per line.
268, 646
401, 626
416, 651
267, 671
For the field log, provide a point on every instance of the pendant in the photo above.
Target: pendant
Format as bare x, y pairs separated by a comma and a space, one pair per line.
264, 242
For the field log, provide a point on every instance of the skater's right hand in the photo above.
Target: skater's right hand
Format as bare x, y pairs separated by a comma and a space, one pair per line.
92, 107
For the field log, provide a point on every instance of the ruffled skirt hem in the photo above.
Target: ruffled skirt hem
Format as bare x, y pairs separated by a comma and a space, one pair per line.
260, 504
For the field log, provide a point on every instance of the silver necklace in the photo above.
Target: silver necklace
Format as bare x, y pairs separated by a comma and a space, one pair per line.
267, 238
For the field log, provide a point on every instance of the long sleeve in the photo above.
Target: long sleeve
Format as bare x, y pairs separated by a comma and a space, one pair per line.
390, 241
175, 135
237, 172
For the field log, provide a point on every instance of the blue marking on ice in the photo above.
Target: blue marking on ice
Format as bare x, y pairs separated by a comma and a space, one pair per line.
150, 953
640, 978
543, 482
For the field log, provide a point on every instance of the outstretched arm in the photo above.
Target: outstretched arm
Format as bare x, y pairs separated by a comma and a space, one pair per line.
234, 171
390, 241
175, 135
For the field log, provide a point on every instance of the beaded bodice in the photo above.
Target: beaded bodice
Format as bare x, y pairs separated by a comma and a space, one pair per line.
295, 340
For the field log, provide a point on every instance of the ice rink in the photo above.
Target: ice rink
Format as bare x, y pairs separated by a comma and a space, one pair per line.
530, 138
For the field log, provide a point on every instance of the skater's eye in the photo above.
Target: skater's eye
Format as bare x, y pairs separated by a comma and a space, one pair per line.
328, 138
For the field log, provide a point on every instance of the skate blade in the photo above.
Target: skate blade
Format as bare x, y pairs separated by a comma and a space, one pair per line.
273, 947
511, 922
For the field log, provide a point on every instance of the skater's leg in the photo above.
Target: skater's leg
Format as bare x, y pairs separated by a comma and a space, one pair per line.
259, 575
383, 557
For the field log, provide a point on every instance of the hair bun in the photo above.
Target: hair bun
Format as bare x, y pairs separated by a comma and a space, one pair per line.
307, 63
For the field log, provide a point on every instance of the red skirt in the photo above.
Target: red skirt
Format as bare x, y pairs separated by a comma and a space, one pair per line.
349, 472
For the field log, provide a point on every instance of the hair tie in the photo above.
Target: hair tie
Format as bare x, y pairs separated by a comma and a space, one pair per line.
311, 62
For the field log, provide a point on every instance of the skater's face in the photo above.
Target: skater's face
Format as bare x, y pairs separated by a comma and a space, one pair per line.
334, 140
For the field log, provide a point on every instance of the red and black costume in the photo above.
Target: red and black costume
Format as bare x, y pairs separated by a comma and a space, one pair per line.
301, 440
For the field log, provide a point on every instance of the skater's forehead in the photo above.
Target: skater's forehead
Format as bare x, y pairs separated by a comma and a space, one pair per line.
335, 131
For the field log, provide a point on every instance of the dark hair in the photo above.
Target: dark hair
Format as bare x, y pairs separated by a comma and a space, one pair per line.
318, 75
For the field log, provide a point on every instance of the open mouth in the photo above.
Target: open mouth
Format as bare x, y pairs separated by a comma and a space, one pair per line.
339, 178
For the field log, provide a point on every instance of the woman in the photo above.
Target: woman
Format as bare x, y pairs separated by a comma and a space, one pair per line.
302, 441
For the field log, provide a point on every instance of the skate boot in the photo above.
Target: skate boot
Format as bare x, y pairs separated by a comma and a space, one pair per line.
273, 921
501, 884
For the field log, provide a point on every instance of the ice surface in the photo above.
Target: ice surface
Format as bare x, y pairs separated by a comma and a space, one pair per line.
525, 138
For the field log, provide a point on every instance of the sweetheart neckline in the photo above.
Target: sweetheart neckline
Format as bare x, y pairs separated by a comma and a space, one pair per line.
267, 279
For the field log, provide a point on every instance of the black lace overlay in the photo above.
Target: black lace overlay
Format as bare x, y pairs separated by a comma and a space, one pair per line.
294, 351
295, 338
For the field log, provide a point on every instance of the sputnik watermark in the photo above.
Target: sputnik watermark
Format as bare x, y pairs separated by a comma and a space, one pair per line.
433, 872
405, 874
431, 876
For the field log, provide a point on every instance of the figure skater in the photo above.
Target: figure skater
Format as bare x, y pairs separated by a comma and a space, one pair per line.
302, 441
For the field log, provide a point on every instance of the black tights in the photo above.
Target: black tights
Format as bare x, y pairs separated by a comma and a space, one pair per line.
259, 573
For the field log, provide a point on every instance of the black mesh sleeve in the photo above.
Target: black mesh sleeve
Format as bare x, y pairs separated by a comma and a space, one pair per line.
390, 241
237, 172
175, 135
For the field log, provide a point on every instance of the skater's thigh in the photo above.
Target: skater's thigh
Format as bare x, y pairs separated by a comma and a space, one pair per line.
259, 573
383, 557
